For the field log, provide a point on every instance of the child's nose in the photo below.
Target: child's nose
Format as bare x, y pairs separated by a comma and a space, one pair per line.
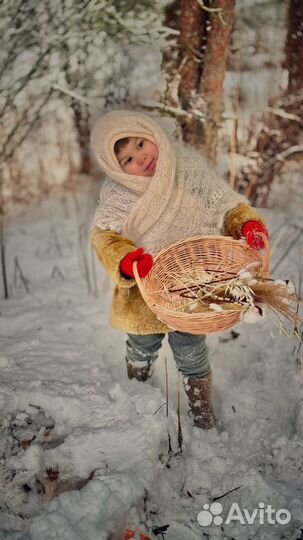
141, 159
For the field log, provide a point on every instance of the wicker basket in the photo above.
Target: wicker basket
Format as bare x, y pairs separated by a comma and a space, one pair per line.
205, 256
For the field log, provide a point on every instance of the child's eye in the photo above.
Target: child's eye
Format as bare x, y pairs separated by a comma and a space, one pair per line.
129, 160
140, 144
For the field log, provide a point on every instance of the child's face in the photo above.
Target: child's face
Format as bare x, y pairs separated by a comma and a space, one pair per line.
138, 157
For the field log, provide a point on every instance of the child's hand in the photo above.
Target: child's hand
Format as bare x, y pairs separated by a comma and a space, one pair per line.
250, 231
144, 263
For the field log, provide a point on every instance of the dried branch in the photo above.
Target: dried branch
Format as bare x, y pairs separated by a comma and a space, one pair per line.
18, 272
287, 250
170, 450
29, 125
173, 111
284, 114
71, 93
180, 434
3, 260
218, 11
22, 82
288, 152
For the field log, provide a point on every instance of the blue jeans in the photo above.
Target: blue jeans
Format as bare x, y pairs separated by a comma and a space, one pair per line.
190, 351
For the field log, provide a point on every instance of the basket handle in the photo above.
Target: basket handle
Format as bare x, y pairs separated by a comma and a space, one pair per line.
137, 278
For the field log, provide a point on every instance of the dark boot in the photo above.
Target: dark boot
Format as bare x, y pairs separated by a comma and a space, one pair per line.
141, 373
199, 393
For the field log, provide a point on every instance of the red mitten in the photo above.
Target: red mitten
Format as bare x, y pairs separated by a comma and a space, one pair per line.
144, 263
250, 231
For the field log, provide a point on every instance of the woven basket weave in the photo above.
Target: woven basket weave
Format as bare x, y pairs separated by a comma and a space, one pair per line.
205, 256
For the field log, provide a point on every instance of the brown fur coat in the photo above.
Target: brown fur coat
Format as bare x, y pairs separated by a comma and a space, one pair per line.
129, 312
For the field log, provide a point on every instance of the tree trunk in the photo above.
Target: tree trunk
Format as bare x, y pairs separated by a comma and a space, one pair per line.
195, 74
212, 82
192, 27
192, 37
281, 134
294, 47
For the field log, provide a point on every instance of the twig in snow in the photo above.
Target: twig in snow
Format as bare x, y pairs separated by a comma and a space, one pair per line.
288, 249
91, 255
3, 261
160, 530
160, 407
170, 450
57, 272
180, 434
56, 239
94, 272
275, 243
82, 251
224, 494
298, 330
19, 273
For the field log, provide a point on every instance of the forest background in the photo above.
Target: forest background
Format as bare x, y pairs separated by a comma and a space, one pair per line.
227, 72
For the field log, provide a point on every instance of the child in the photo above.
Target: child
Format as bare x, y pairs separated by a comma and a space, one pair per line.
156, 193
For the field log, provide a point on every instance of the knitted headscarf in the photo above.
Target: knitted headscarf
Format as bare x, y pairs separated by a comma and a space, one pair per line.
184, 197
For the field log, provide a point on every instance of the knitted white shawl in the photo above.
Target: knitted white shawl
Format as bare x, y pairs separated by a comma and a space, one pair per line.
184, 198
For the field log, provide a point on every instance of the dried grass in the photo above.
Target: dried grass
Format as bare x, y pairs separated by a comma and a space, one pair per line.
237, 293
278, 298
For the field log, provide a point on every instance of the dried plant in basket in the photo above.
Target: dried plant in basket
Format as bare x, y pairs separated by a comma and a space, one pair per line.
279, 296
245, 291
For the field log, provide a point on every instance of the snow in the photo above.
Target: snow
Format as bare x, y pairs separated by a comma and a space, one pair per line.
95, 457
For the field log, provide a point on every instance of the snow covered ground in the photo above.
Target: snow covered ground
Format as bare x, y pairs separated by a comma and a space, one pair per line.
84, 451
